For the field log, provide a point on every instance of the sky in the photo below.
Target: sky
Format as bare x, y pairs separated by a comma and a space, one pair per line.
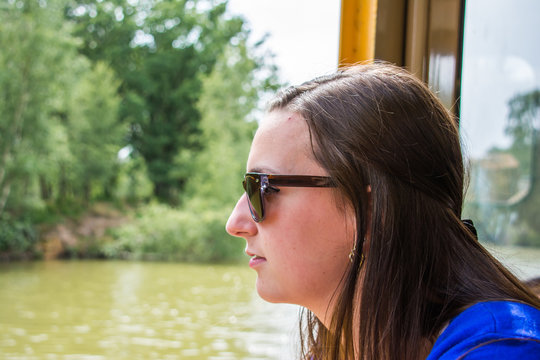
303, 34
499, 61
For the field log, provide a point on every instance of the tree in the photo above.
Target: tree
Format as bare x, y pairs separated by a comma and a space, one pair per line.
228, 104
524, 112
506, 187
95, 132
160, 50
34, 52
59, 114
195, 231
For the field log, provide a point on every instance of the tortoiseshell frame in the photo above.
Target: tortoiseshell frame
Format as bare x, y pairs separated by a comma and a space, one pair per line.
264, 183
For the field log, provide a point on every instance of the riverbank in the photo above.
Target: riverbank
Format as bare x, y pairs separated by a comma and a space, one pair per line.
193, 233
82, 237
159, 232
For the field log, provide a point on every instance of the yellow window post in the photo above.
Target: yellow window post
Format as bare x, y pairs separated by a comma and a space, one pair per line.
357, 31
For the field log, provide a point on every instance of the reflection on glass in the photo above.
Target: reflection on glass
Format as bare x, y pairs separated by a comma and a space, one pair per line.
443, 48
499, 118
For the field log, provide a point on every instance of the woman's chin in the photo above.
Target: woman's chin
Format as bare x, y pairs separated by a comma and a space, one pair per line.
269, 295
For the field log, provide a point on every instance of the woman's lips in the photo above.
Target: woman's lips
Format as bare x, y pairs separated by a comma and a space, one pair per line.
256, 261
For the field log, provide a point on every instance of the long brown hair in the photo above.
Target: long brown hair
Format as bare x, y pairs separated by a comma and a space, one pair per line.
377, 126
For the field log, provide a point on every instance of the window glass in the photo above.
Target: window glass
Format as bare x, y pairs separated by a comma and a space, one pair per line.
499, 120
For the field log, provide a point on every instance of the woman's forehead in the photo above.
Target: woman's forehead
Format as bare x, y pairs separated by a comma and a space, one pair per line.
282, 143
282, 128
280, 118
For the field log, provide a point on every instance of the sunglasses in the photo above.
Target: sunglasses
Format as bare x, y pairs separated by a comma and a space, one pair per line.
257, 185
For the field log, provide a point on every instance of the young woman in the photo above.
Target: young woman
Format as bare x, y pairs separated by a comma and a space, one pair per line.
352, 209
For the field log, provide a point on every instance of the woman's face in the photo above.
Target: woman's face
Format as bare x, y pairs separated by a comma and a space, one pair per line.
300, 250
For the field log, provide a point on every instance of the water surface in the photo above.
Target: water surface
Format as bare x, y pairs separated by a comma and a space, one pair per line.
143, 310
130, 310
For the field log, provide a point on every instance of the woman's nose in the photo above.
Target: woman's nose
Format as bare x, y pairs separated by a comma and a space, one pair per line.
240, 222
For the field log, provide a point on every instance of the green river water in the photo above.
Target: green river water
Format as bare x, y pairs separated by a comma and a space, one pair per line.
138, 310
97, 310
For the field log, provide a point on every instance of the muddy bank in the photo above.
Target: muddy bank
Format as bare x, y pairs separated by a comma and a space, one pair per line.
77, 235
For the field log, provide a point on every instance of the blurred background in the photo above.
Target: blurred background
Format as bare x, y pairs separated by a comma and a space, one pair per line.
124, 130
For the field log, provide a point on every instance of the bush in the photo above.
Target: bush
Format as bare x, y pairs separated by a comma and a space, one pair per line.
18, 238
163, 233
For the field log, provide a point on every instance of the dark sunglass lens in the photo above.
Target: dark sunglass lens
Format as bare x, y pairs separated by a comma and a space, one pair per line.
252, 185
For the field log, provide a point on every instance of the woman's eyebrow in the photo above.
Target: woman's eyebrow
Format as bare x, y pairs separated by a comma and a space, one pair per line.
263, 170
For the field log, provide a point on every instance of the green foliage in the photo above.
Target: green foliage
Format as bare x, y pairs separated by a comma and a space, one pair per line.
160, 50
510, 216
195, 231
17, 238
524, 112
163, 233
133, 185
173, 81
79, 160
85, 248
35, 51
95, 132
59, 123
230, 96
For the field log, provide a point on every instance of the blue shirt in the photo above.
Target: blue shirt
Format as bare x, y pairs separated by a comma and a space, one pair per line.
491, 330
